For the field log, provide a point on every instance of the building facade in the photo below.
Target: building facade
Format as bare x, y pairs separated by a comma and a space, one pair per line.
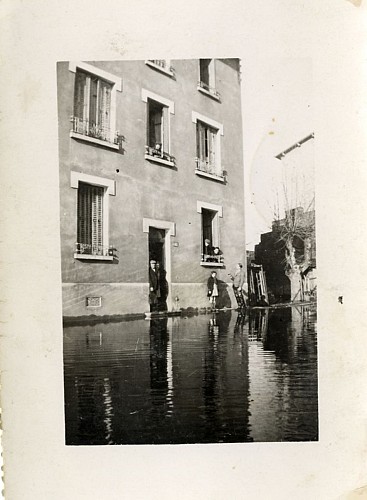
151, 166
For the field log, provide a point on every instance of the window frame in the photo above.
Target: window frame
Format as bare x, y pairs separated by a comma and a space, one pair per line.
168, 107
218, 127
211, 89
116, 86
218, 213
109, 190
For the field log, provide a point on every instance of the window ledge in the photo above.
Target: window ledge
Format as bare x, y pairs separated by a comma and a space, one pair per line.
212, 264
208, 93
156, 159
81, 256
94, 140
159, 68
215, 177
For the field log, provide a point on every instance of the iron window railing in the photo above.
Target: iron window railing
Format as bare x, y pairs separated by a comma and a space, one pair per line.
162, 63
85, 127
208, 167
91, 249
158, 152
219, 258
209, 89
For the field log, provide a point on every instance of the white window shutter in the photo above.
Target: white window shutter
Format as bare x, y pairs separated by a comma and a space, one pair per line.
105, 109
165, 129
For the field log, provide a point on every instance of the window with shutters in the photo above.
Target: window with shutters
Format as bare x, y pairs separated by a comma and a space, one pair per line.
92, 238
90, 220
206, 83
92, 106
94, 112
206, 137
158, 141
208, 147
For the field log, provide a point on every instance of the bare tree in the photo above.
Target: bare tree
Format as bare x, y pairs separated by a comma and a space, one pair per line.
295, 232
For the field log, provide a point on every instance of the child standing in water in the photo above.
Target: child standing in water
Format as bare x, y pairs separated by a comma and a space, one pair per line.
213, 289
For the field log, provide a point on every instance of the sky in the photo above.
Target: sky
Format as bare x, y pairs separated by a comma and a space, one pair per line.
277, 113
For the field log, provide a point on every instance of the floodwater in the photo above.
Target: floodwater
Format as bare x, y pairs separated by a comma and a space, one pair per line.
214, 378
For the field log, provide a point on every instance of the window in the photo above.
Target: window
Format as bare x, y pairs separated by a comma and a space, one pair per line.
206, 148
90, 220
94, 105
207, 217
208, 151
206, 82
92, 216
211, 254
162, 65
158, 128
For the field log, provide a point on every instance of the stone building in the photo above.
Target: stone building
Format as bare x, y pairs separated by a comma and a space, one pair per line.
151, 166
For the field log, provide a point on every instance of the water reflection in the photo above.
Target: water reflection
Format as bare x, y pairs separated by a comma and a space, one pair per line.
161, 381
283, 374
227, 377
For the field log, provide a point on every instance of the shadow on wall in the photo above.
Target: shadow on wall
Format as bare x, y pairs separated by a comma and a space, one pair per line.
224, 299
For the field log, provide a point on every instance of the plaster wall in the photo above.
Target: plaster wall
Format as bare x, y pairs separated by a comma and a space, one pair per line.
145, 189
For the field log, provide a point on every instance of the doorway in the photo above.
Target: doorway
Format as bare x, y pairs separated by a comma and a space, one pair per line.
157, 246
159, 233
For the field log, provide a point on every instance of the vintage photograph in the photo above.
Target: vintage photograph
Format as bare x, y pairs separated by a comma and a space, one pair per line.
178, 314
189, 283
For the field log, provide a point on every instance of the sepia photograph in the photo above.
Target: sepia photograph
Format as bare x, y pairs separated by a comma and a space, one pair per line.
179, 315
185, 318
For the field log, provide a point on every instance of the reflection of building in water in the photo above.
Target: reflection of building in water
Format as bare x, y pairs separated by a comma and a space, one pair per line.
210, 382
107, 404
90, 412
91, 402
174, 380
161, 367
214, 331
258, 324
104, 382
225, 380
283, 400
93, 339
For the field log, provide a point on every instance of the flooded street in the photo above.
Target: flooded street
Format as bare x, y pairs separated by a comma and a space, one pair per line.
201, 379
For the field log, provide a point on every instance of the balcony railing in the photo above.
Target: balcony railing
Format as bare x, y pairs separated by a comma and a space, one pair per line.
210, 90
97, 250
217, 259
158, 152
162, 63
208, 168
89, 129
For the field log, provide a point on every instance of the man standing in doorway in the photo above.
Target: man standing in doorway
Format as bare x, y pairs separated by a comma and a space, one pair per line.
163, 287
154, 292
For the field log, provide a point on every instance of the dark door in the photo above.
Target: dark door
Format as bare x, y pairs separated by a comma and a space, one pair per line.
156, 245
